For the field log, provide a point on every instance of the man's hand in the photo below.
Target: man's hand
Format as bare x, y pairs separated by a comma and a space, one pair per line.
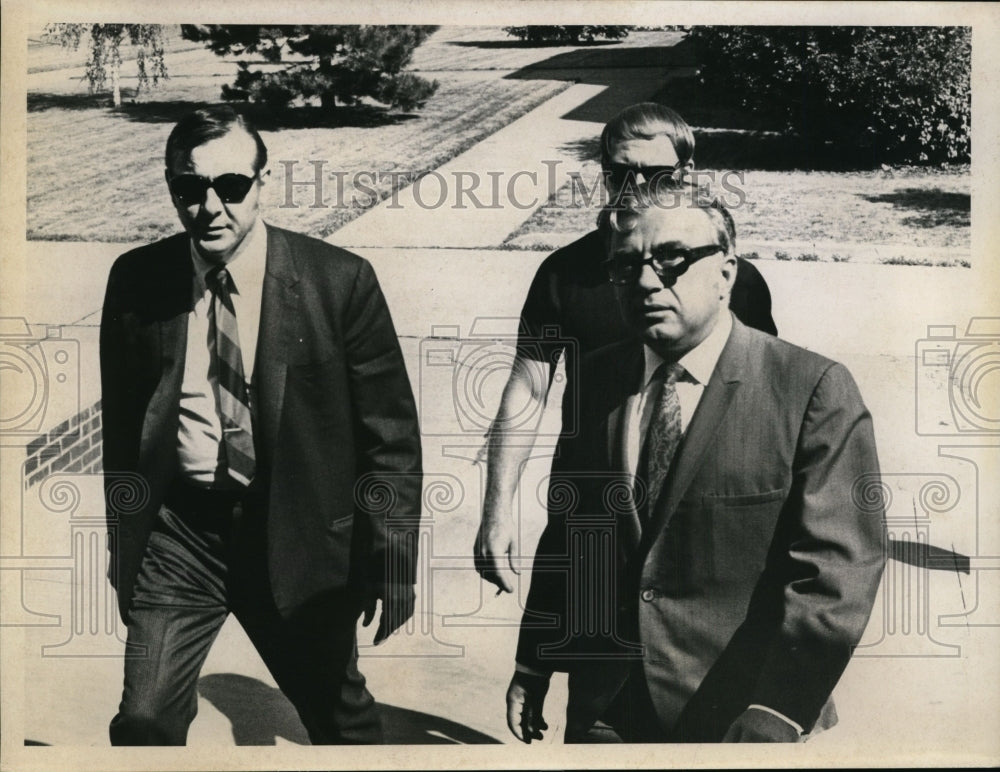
525, 698
398, 601
759, 726
495, 549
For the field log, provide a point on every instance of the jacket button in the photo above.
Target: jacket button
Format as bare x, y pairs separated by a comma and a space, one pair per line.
648, 595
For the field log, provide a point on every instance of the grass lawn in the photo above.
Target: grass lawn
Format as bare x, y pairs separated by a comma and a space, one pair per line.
96, 175
793, 191
910, 206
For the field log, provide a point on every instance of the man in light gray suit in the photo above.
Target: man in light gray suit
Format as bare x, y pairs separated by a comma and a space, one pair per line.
715, 565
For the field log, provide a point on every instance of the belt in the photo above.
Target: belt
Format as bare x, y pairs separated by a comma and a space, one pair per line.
204, 503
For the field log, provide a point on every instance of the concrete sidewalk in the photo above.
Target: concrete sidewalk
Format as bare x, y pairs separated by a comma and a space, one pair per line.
483, 194
443, 681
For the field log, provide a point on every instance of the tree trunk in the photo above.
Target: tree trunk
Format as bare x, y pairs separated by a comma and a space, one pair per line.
115, 65
116, 91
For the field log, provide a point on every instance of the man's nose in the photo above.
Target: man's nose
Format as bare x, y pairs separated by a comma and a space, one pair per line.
212, 203
648, 281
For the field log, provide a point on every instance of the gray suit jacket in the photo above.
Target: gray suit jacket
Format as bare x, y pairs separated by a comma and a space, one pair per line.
753, 576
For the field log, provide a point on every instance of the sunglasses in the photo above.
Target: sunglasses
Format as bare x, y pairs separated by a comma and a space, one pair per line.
668, 265
619, 174
191, 189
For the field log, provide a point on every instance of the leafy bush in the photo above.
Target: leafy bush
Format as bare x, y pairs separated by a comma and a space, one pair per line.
334, 64
567, 34
900, 94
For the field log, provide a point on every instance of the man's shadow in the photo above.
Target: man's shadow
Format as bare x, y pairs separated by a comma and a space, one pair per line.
260, 714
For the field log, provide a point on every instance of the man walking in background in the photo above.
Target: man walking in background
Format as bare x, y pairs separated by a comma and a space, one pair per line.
254, 389
571, 296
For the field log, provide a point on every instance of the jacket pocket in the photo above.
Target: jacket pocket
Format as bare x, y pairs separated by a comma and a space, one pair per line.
742, 529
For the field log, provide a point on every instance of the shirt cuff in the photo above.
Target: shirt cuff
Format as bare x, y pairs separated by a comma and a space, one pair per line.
519, 668
782, 716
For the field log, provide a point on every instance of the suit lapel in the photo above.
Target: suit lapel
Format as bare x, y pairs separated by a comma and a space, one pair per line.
277, 338
169, 299
628, 380
701, 432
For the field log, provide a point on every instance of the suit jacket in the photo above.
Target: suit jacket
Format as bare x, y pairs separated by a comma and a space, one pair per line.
335, 426
752, 577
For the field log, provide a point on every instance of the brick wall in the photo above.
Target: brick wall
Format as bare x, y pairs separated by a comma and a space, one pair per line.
72, 446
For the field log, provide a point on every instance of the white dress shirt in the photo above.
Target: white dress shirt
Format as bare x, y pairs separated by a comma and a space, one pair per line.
199, 436
697, 365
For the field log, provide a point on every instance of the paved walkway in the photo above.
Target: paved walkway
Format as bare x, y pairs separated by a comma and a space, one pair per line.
509, 174
482, 195
444, 681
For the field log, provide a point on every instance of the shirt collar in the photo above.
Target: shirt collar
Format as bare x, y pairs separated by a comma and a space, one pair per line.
699, 362
246, 265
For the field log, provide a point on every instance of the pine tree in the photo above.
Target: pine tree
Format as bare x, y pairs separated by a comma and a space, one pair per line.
334, 65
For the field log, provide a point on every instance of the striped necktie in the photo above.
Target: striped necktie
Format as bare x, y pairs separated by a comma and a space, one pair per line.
231, 390
664, 433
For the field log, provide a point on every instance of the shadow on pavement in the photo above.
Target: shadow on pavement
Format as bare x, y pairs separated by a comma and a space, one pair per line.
629, 75
727, 136
514, 43
260, 714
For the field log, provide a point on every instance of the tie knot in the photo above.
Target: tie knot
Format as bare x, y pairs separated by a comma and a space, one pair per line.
669, 372
219, 281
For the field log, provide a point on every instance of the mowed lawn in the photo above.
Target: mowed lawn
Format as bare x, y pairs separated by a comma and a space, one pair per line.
97, 175
910, 206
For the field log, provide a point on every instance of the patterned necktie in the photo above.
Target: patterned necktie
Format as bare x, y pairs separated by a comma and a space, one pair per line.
664, 433
231, 390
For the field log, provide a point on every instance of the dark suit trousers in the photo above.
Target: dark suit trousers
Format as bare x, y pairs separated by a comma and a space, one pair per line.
629, 718
206, 559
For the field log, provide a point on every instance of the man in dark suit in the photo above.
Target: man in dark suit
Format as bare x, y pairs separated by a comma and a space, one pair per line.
571, 310
711, 557
256, 401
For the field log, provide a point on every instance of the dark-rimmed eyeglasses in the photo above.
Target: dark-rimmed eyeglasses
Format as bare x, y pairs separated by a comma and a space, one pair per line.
190, 189
668, 264
617, 175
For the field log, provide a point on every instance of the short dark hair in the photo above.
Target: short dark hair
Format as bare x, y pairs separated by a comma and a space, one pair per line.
201, 126
645, 121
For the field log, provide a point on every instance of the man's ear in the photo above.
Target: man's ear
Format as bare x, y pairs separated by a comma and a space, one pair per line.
728, 275
264, 174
